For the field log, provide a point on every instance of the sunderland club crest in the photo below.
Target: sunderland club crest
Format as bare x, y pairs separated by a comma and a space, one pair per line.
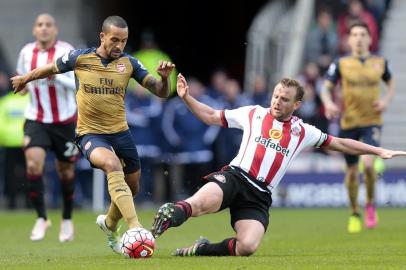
295, 131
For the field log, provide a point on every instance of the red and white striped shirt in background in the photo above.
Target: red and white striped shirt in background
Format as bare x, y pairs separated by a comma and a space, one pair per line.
52, 99
268, 146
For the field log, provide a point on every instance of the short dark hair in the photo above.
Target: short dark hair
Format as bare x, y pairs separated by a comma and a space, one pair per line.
117, 21
288, 82
359, 24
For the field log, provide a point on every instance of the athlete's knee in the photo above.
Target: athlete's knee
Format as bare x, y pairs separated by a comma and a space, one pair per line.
246, 247
33, 167
112, 164
369, 166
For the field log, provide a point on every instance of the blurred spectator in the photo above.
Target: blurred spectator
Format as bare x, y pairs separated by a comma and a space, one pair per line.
356, 12
260, 95
322, 41
191, 140
311, 110
377, 9
5, 85
149, 55
218, 82
142, 113
229, 139
12, 119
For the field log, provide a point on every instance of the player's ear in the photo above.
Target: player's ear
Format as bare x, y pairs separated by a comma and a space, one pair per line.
102, 35
297, 104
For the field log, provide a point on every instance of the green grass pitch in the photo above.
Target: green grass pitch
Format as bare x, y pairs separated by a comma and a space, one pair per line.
296, 239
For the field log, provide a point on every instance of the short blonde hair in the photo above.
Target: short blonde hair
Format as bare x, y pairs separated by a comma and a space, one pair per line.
288, 82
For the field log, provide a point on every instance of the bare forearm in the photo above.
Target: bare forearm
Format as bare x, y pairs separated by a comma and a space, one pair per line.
163, 87
353, 147
205, 113
325, 94
159, 88
40, 73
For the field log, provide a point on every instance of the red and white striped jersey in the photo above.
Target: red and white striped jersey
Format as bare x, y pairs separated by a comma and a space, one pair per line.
52, 99
268, 146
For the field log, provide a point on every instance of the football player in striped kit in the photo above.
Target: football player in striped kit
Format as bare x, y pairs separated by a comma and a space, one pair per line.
50, 125
272, 137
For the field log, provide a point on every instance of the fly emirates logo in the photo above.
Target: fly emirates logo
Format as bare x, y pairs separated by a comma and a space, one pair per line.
268, 143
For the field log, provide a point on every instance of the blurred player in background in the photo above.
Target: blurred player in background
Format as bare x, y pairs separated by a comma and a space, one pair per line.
102, 131
272, 137
360, 74
50, 124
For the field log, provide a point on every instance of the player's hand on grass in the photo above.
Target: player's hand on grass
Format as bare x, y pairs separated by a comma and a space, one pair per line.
165, 68
181, 86
18, 83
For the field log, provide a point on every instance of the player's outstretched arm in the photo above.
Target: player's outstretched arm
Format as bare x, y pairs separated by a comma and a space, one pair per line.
354, 147
20, 81
161, 88
205, 113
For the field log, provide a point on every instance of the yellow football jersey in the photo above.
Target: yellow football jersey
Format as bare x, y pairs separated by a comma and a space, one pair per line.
360, 84
101, 85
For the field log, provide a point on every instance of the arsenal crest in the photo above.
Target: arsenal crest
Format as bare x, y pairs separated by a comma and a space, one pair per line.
120, 67
87, 145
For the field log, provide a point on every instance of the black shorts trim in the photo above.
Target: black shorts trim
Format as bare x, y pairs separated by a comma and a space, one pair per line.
242, 198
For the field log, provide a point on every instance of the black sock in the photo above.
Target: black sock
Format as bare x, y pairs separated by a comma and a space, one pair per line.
224, 248
36, 194
68, 188
183, 211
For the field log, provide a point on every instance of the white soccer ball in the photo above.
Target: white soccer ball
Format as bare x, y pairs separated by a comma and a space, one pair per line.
137, 243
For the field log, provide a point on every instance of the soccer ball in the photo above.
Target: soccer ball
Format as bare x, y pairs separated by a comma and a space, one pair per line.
137, 243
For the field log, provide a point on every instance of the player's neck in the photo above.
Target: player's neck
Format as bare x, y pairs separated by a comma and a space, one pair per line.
363, 54
102, 53
45, 45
